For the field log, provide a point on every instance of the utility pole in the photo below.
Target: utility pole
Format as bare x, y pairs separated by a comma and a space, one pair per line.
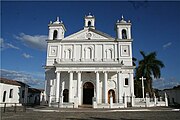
142, 79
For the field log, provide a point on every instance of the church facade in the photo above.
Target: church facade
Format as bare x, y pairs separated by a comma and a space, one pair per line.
89, 66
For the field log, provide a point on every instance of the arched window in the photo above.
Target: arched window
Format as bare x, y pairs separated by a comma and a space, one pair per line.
109, 54
124, 34
11, 93
88, 53
55, 34
4, 96
89, 23
67, 54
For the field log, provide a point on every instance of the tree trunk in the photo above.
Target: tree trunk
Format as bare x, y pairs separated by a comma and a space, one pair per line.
149, 87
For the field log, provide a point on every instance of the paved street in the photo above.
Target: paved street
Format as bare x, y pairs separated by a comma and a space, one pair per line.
94, 114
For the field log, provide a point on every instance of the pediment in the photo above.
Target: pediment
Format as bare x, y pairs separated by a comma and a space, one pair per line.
89, 34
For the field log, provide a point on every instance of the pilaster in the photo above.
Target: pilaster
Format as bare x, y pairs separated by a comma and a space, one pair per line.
119, 85
105, 87
97, 87
71, 96
79, 87
57, 86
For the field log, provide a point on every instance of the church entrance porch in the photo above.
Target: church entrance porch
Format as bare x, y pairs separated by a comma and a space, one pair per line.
88, 93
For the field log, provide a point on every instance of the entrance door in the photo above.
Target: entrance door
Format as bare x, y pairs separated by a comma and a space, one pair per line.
88, 93
111, 92
65, 95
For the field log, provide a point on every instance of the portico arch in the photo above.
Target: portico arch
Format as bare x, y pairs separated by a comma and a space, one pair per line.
88, 93
111, 92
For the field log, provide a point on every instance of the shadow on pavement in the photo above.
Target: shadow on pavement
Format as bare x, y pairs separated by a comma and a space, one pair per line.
97, 118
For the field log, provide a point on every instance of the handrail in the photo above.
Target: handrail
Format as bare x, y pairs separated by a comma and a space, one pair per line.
15, 106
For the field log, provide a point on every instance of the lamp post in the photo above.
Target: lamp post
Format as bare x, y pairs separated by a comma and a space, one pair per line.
142, 79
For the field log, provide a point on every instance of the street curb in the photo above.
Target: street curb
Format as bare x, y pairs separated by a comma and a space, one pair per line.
95, 110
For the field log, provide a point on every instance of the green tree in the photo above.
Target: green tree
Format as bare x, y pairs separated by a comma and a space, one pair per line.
149, 67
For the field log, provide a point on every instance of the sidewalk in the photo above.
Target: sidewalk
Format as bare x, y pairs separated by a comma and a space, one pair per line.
130, 109
49, 113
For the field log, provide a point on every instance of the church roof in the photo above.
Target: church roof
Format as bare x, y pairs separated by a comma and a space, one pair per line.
34, 90
101, 33
12, 82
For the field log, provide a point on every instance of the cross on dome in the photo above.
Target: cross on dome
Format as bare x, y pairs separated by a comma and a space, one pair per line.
90, 15
57, 20
122, 18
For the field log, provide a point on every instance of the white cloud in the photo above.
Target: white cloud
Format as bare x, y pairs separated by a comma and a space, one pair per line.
5, 45
29, 78
167, 45
36, 41
160, 79
25, 55
163, 83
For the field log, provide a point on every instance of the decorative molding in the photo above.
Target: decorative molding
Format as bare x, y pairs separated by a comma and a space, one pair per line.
125, 50
53, 51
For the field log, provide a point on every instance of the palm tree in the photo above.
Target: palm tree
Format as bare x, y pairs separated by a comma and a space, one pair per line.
134, 61
149, 67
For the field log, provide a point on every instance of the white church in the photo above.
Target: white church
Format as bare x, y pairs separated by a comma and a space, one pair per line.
89, 67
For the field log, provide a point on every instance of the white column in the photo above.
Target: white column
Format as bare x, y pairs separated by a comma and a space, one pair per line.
62, 53
70, 86
50, 92
132, 83
82, 53
105, 87
79, 87
61, 95
119, 84
118, 32
103, 52
57, 86
73, 53
97, 87
129, 33
94, 56
119, 49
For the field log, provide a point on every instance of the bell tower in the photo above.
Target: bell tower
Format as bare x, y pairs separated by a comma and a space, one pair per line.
56, 30
123, 29
89, 21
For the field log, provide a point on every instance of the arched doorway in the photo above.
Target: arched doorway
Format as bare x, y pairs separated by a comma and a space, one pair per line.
111, 92
88, 93
65, 95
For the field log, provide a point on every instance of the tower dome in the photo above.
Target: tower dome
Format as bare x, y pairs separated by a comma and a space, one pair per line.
122, 20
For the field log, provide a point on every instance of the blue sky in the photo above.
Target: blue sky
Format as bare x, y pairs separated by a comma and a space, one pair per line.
24, 29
